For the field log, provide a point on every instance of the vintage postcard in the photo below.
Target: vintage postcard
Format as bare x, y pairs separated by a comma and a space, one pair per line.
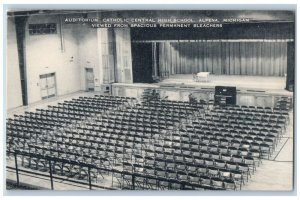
150, 100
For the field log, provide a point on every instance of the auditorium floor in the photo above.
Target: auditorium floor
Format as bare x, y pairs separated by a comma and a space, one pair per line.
266, 83
275, 174
47, 102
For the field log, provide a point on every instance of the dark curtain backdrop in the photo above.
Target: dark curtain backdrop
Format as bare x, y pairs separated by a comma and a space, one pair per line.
261, 58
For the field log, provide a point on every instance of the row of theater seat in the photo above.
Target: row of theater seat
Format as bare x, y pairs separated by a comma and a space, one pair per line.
153, 145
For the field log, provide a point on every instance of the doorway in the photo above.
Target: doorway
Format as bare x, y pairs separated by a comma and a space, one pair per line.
142, 61
48, 85
89, 74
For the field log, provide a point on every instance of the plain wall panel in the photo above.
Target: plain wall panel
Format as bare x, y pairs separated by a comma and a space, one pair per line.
44, 55
13, 89
123, 59
88, 56
246, 100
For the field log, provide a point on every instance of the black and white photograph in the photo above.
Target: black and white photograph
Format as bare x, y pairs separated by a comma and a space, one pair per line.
160, 100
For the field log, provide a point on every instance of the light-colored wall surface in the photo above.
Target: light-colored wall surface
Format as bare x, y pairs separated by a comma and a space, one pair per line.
13, 89
88, 54
123, 55
45, 55
67, 53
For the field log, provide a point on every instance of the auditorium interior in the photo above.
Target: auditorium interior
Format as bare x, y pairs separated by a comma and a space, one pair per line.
147, 108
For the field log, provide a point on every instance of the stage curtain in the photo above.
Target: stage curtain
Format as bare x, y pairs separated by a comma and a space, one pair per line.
260, 58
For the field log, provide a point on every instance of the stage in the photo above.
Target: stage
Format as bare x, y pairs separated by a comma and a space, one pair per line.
251, 90
257, 83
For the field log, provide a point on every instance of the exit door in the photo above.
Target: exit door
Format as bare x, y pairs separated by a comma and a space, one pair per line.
89, 79
48, 85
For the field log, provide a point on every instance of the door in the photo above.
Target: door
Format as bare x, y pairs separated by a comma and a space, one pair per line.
89, 79
48, 85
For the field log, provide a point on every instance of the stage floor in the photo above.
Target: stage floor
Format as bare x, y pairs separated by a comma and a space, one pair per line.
266, 83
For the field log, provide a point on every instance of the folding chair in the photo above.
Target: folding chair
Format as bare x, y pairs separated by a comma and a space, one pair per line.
175, 185
244, 168
237, 177
217, 182
198, 160
139, 181
180, 166
151, 182
127, 180
202, 170
229, 184
194, 178
265, 150
162, 181
220, 163
205, 180
170, 165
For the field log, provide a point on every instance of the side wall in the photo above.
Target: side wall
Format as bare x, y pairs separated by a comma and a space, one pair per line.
13, 89
88, 55
67, 53
45, 55
123, 55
